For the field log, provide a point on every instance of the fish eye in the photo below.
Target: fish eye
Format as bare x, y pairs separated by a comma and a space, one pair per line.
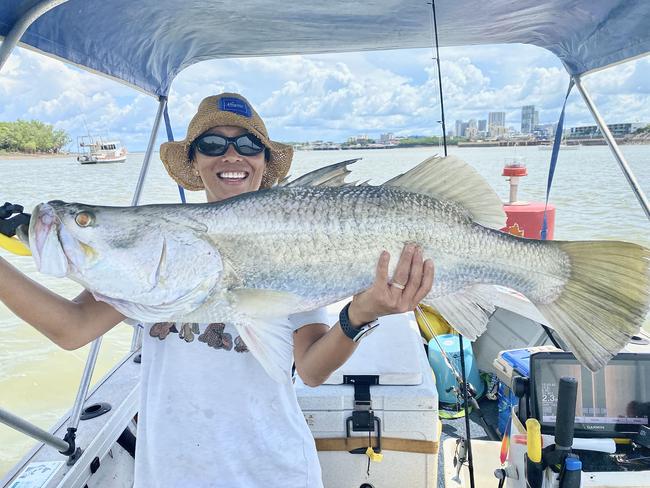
84, 218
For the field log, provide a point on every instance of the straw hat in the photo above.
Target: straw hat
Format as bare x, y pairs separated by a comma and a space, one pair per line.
225, 109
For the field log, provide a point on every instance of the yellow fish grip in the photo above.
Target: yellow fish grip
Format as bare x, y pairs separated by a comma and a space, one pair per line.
14, 246
431, 323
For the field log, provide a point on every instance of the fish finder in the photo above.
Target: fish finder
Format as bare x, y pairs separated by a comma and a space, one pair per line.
614, 402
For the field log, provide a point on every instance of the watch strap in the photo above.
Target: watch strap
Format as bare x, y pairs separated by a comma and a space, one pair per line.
354, 333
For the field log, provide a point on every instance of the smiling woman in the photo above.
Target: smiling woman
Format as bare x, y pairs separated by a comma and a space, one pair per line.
231, 172
226, 167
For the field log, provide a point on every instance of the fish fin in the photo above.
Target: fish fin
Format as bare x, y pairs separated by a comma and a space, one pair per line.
260, 303
176, 309
265, 328
332, 175
453, 180
605, 300
468, 311
271, 344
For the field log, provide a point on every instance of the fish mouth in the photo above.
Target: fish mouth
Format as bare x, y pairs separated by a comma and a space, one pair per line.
44, 234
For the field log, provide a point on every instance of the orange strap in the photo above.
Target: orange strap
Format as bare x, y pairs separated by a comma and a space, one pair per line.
387, 443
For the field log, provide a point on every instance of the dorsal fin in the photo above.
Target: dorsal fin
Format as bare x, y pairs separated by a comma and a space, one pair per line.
332, 175
453, 180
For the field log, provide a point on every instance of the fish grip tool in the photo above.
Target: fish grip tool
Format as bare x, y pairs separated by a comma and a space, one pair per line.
11, 217
363, 419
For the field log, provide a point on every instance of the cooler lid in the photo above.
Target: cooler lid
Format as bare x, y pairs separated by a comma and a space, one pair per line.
391, 351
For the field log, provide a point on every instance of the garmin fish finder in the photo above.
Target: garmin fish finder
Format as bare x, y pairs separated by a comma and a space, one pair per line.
613, 402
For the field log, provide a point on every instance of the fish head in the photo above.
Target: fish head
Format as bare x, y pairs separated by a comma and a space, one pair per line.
131, 254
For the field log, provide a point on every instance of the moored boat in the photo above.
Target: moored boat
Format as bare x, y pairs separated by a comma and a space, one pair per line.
95, 149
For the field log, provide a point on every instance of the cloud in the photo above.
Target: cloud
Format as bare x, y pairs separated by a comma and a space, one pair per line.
329, 97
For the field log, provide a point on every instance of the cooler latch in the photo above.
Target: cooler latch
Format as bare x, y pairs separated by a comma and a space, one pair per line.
363, 418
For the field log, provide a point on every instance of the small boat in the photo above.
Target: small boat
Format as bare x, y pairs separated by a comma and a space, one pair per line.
94, 149
563, 147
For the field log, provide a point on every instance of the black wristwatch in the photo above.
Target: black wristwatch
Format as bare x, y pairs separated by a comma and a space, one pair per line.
355, 333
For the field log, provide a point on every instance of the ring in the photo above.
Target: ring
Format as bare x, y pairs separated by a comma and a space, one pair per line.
399, 286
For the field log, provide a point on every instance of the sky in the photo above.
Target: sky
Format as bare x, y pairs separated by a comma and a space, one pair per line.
329, 97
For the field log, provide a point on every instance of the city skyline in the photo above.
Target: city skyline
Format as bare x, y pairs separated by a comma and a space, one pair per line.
330, 97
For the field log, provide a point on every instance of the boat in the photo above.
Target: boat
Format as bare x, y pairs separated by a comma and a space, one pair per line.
563, 147
95, 149
92, 445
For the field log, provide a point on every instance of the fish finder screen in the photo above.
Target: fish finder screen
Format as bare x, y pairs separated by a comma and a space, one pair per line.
614, 400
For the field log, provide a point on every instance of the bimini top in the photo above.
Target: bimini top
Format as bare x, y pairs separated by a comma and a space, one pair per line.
146, 43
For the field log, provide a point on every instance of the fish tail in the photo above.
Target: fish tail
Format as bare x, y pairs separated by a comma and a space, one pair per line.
605, 300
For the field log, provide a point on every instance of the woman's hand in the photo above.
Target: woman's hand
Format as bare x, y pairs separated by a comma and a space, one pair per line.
411, 282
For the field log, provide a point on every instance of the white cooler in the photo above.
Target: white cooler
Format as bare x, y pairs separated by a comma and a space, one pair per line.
404, 402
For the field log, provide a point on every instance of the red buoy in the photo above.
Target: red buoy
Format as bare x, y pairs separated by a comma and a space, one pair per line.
525, 219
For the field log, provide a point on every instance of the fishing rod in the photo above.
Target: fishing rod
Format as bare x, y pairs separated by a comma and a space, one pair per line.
437, 58
463, 383
468, 393
459, 377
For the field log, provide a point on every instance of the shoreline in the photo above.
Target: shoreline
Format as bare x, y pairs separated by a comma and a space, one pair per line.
17, 155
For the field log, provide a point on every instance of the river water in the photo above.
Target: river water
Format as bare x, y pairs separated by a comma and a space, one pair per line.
38, 381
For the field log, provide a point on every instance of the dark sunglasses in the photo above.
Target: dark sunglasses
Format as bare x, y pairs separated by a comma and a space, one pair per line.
217, 145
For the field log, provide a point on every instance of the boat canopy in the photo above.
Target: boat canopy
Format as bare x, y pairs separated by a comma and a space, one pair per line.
146, 43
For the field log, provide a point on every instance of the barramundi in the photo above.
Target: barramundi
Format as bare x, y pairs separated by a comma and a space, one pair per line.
254, 259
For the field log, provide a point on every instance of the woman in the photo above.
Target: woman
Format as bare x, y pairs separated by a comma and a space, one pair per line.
210, 416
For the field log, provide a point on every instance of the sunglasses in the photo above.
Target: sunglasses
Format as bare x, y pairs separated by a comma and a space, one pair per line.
217, 145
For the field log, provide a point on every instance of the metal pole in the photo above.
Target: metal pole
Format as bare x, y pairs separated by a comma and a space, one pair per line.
84, 384
162, 103
31, 430
13, 37
611, 142
136, 338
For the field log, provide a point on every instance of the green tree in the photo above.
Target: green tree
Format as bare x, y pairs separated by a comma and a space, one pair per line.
31, 136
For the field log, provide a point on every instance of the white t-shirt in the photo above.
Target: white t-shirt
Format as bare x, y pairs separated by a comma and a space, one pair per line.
211, 417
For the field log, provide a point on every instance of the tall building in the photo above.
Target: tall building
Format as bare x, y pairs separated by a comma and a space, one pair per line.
496, 123
472, 129
459, 128
529, 119
482, 125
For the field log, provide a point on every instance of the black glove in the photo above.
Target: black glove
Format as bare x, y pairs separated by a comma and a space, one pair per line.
9, 224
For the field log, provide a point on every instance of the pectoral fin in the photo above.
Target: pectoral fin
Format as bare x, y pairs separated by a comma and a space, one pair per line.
468, 311
264, 326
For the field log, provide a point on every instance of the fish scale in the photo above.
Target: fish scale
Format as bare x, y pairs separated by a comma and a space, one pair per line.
300, 252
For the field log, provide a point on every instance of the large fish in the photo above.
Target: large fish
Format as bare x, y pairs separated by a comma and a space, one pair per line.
253, 259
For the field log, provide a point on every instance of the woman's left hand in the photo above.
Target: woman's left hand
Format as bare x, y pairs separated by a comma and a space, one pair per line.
411, 282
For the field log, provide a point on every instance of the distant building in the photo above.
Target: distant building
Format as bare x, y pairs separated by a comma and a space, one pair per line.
472, 129
496, 124
386, 137
545, 131
459, 128
529, 119
482, 125
592, 131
